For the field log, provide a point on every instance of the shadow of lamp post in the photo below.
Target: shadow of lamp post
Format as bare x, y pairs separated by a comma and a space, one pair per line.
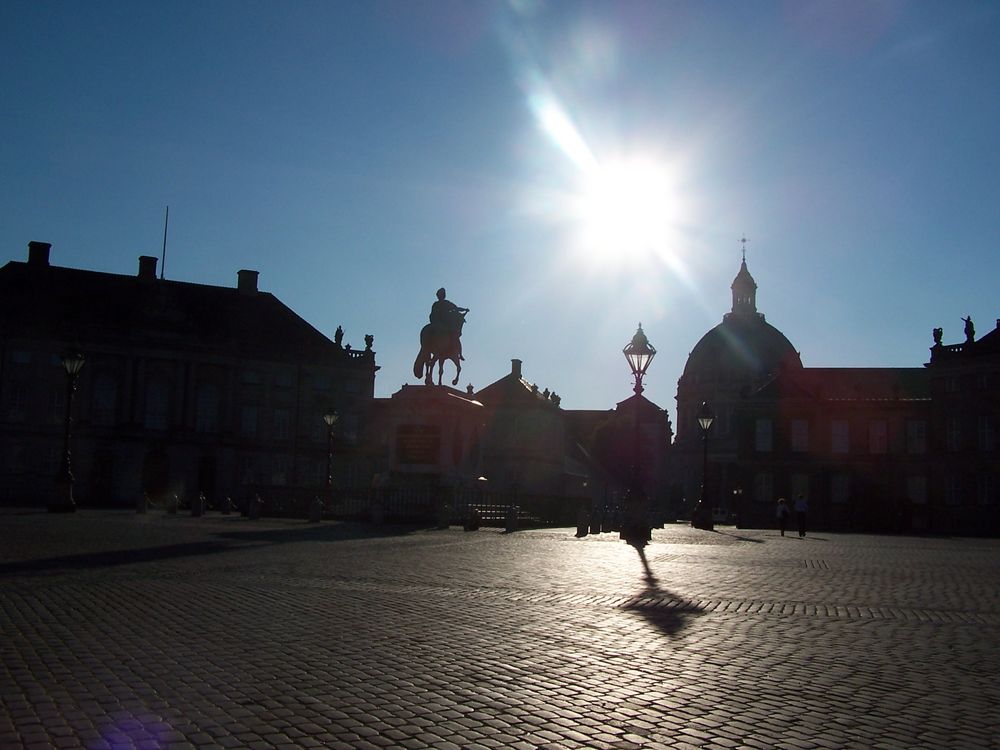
635, 529
702, 517
330, 418
63, 501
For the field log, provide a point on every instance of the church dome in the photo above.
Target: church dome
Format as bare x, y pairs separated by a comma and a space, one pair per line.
743, 347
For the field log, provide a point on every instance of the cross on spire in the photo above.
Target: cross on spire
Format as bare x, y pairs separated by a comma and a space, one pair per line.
743, 240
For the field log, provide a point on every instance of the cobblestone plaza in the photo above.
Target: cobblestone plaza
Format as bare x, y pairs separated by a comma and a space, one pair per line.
167, 631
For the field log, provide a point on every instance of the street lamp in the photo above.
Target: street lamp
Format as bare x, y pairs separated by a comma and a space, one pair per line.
702, 517
63, 501
639, 354
330, 418
635, 529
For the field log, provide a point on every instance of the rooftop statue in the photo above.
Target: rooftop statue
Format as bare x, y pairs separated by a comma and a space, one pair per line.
441, 340
970, 329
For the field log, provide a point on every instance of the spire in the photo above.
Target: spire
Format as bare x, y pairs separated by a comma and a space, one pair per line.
744, 288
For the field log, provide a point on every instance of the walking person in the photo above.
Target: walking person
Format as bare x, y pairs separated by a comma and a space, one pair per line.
801, 509
783, 512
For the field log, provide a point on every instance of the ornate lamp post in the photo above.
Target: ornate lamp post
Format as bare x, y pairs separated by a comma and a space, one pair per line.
330, 418
639, 353
702, 517
63, 501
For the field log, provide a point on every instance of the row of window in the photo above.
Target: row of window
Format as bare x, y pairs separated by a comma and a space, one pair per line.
156, 409
955, 492
916, 441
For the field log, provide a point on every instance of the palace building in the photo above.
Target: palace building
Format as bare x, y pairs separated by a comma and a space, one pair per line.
185, 388
871, 449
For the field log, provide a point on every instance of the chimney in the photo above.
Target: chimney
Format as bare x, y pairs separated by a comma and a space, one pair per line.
147, 267
246, 281
515, 368
38, 253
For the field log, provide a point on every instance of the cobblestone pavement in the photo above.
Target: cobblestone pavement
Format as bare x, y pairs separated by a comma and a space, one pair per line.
160, 631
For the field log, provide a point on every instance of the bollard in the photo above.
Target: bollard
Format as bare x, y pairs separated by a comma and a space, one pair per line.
172, 504
473, 521
253, 511
227, 505
582, 522
198, 505
142, 503
511, 525
377, 512
315, 510
443, 513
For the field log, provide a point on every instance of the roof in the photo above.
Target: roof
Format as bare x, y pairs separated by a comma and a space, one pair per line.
94, 307
851, 384
741, 347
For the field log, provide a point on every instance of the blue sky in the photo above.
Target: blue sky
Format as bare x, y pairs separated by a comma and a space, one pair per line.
566, 170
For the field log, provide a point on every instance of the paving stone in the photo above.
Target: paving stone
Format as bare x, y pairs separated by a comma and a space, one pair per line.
332, 636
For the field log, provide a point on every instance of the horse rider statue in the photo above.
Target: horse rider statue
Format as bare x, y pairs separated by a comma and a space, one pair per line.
441, 339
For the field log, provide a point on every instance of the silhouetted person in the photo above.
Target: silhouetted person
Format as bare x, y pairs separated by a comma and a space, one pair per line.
783, 512
801, 509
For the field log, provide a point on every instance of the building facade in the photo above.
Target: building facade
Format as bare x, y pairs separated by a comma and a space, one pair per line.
870, 449
186, 388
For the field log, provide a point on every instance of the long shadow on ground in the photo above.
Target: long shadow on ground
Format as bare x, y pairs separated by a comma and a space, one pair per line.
221, 542
669, 612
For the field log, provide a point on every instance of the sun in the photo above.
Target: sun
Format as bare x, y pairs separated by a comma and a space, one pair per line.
625, 210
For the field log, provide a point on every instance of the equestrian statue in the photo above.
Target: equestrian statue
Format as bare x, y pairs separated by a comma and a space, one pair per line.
441, 340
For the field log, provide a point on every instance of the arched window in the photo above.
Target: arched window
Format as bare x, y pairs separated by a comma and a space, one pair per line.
105, 400
157, 404
206, 418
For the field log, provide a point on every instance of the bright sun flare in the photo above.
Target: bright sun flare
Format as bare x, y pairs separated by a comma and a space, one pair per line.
625, 210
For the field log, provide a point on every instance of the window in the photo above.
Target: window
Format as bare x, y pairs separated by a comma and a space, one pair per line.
916, 489
16, 401
800, 485
321, 382
352, 385
916, 436
284, 379
953, 435
248, 421
840, 488
985, 433
724, 419
57, 404
840, 436
952, 490
279, 470
763, 436
878, 436
248, 470
206, 417
984, 489
282, 419
105, 400
250, 377
157, 400
14, 460
763, 488
20, 358
800, 435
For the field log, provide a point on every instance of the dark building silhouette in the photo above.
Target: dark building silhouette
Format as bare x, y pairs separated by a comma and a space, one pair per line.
875, 449
187, 388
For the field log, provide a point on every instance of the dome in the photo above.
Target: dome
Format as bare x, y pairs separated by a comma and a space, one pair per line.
741, 347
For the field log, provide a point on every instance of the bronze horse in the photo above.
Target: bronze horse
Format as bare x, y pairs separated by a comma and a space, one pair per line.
438, 344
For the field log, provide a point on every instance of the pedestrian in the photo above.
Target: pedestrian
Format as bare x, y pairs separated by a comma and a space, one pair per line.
801, 508
783, 512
